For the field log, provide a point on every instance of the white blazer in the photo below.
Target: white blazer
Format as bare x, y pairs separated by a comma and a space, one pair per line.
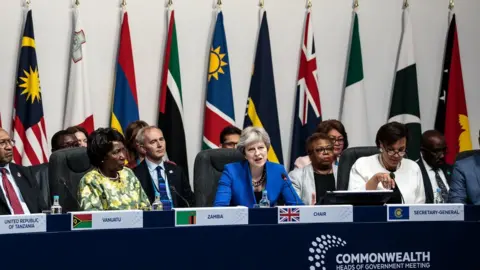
408, 177
303, 181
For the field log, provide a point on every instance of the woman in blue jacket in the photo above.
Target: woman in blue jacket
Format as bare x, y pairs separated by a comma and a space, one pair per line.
242, 183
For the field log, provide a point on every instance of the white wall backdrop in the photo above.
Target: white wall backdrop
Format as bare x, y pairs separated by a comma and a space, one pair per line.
380, 25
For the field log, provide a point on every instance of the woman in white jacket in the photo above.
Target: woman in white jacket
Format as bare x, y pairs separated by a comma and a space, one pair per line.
389, 170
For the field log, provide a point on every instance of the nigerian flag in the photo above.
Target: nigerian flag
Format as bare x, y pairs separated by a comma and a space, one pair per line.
170, 116
404, 107
353, 113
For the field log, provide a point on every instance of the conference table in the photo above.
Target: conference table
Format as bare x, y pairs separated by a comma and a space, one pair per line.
368, 237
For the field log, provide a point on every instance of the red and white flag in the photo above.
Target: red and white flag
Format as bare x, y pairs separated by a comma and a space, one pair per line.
78, 111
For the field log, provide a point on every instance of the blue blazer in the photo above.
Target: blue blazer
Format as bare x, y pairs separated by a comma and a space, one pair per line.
465, 183
235, 186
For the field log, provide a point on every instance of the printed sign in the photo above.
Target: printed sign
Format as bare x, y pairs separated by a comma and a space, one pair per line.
211, 216
23, 223
426, 212
98, 220
315, 214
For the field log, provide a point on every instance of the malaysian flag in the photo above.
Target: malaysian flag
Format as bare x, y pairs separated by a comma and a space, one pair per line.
308, 113
28, 121
288, 215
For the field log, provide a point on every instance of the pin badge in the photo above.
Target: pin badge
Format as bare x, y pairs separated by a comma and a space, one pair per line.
170, 171
19, 175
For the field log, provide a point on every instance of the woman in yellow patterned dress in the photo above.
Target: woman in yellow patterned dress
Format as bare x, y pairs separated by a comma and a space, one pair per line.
110, 185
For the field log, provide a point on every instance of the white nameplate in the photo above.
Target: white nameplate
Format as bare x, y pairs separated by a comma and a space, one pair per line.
211, 216
315, 214
99, 220
23, 223
426, 212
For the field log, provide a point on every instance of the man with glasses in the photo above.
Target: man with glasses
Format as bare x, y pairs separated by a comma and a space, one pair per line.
435, 172
314, 180
18, 190
465, 184
229, 137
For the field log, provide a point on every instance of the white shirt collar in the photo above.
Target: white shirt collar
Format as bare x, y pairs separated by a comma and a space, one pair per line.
7, 166
153, 166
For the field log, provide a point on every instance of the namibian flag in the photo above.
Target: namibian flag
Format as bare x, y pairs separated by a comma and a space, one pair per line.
82, 221
125, 101
262, 100
186, 217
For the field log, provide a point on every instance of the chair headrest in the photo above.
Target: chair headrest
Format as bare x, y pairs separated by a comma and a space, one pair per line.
218, 158
76, 159
466, 154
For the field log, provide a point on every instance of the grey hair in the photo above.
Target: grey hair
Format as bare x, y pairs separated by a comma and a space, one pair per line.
253, 135
140, 138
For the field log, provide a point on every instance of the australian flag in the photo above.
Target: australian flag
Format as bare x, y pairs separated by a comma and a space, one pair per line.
28, 120
308, 112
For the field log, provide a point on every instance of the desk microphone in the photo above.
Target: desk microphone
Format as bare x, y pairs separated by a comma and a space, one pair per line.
285, 178
392, 175
172, 188
69, 192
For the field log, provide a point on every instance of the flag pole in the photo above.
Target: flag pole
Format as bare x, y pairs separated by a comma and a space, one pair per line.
405, 4
219, 4
451, 5
309, 4
355, 4
124, 4
262, 4
27, 3
77, 3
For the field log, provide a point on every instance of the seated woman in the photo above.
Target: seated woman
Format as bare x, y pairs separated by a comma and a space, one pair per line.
242, 182
314, 180
110, 185
389, 170
336, 131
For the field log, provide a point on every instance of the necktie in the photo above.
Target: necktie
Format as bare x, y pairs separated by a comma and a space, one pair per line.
162, 190
441, 185
11, 194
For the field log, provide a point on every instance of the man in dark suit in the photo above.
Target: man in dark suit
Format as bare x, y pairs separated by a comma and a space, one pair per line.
465, 186
161, 178
18, 193
435, 172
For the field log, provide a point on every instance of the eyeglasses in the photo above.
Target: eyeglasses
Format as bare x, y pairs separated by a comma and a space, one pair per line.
340, 140
393, 152
325, 150
4, 143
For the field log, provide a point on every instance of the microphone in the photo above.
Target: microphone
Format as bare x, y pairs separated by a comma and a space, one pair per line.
285, 178
69, 192
392, 175
172, 188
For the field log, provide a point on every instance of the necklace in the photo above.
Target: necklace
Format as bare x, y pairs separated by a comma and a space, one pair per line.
322, 173
111, 178
260, 181
380, 159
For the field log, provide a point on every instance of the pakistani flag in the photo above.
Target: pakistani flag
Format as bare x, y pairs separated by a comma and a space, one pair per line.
170, 116
404, 107
353, 113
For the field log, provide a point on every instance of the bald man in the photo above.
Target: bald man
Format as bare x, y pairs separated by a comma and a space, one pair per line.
18, 191
435, 172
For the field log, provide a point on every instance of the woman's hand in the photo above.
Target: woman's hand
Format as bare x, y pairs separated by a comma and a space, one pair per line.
384, 178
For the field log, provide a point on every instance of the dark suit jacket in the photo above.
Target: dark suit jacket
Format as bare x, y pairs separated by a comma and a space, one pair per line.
176, 178
465, 186
28, 188
447, 171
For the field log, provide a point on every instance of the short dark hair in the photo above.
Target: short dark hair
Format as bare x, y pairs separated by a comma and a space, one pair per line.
428, 134
314, 137
55, 141
328, 125
75, 129
229, 130
100, 142
390, 133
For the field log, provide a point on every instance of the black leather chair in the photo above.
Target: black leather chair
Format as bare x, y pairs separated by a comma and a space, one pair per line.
40, 173
207, 170
66, 168
466, 154
347, 159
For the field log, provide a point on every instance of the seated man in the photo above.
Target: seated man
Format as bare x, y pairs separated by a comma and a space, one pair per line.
19, 193
161, 178
465, 185
435, 172
229, 137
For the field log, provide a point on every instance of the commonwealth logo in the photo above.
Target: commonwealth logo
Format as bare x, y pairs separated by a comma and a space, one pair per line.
319, 248
402, 212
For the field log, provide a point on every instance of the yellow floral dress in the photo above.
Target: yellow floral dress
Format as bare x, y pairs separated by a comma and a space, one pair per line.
98, 192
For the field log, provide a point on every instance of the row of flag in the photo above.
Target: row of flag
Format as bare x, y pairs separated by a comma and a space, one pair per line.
29, 124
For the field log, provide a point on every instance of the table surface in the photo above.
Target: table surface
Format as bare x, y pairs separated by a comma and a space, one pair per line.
367, 243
